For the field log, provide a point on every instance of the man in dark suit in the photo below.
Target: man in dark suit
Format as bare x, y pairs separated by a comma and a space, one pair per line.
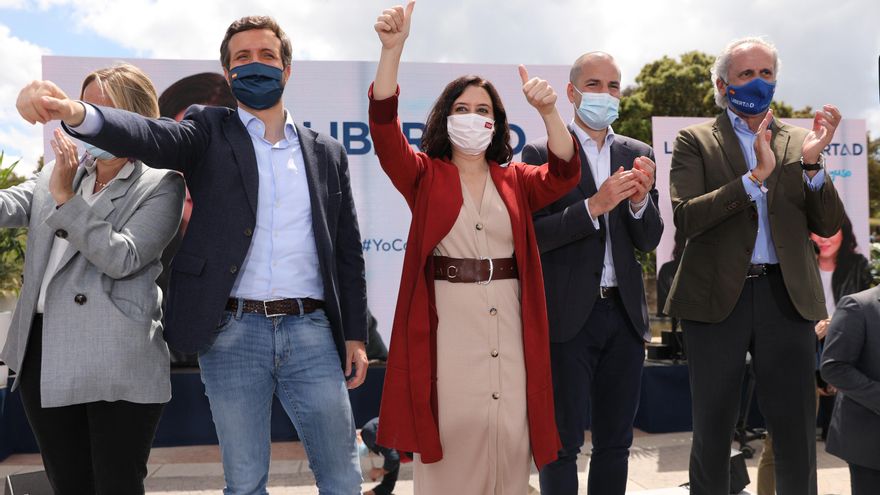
268, 285
747, 191
851, 362
595, 294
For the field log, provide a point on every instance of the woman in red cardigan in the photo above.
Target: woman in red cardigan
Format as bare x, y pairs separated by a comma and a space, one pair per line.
468, 367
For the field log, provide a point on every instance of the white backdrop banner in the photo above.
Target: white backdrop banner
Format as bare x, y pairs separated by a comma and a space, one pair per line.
331, 97
846, 161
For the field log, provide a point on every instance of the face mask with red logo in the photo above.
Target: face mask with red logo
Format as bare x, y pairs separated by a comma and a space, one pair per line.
470, 133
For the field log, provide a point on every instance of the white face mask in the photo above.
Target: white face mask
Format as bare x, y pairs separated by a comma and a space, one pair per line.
469, 132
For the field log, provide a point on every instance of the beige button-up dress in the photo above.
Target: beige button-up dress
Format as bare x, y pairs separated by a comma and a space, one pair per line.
481, 377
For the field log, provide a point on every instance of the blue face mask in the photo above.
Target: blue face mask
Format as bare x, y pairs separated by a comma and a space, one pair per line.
751, 98
597, 110
98, 153
258, 86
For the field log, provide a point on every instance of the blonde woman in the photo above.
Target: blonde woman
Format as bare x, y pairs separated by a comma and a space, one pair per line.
86, 337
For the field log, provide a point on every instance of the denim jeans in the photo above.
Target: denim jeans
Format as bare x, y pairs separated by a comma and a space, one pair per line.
295, 358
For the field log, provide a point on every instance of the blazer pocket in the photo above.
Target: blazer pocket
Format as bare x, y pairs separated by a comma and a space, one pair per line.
187, 263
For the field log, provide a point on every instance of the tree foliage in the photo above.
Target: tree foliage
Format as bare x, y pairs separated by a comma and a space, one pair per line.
12, 240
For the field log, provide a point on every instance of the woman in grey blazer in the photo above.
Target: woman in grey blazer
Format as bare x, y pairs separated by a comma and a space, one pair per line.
86, 337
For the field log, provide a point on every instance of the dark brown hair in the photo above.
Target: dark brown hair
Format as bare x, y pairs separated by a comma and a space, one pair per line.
256, 22
435, 140
206, 88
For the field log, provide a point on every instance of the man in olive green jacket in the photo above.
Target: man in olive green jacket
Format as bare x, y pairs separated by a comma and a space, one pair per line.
746, 191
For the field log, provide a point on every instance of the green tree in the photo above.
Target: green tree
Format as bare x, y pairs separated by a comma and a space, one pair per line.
12, 240
874, 176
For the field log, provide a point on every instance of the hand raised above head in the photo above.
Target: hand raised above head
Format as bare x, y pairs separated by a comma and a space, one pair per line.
43, 101
393, 25
538, 92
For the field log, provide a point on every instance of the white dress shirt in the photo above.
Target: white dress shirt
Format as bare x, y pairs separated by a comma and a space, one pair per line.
600, 166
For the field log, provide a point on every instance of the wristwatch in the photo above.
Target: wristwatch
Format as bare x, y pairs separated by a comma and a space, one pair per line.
811, 167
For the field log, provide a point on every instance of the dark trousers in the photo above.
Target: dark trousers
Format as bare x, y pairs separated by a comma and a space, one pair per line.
864, 480
782, 344
93, 448
391, 457
599, 370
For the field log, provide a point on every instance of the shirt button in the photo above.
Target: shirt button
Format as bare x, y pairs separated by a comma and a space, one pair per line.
61, 233
493, 311
479, 226
233, 269
494, 353
80, 299
496, 395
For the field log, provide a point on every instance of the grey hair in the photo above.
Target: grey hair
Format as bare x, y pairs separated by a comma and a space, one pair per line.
722, 64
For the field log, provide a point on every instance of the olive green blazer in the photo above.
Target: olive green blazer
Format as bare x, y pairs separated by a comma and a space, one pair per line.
711, 207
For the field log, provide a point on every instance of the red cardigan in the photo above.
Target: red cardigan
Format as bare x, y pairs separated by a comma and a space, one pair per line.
431, 187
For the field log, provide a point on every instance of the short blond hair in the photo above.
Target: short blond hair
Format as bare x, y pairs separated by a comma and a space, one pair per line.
127, 87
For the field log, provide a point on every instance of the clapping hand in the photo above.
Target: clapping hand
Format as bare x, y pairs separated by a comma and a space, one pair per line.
66, 163
643, 170
763, 151
824, 125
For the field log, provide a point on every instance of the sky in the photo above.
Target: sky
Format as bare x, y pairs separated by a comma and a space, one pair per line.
829, 50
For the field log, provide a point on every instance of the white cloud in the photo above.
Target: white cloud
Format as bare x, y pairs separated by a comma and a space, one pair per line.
829, 57
18, 139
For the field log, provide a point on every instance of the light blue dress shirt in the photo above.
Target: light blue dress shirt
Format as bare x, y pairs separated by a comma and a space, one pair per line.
765, 250
282, 261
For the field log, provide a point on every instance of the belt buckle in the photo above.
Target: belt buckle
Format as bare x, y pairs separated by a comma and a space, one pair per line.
266, 308
759, 274
491, 272
603, 292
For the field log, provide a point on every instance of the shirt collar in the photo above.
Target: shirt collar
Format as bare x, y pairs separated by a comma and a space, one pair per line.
585, 138
740, 125
257, 128
91, 165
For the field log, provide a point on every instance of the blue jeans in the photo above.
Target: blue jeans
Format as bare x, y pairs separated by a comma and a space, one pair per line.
295, 358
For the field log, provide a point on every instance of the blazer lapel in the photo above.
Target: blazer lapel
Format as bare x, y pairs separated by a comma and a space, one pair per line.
105, 203
779, 143
316, 175
587, 185
245, 157
621, 156
726, 137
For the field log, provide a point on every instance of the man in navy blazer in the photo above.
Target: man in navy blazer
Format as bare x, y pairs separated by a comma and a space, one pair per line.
595, 294
268, 285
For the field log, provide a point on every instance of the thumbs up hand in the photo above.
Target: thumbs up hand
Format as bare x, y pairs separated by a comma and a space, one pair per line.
538, 92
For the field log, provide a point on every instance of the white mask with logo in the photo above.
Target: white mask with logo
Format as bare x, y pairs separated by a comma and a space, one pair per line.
469, 132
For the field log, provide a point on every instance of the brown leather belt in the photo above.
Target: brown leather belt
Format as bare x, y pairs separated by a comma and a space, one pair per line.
469, 270
276, 307
761, 269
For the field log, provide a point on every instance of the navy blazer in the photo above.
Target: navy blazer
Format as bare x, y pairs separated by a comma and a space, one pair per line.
851, 362
573, 250
214, 151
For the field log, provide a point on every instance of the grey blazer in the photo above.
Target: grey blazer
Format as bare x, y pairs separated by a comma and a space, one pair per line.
102, 330
851, 362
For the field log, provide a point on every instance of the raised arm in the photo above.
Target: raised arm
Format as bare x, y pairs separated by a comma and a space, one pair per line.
393, 29
402, 164
157, 142
541, 95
